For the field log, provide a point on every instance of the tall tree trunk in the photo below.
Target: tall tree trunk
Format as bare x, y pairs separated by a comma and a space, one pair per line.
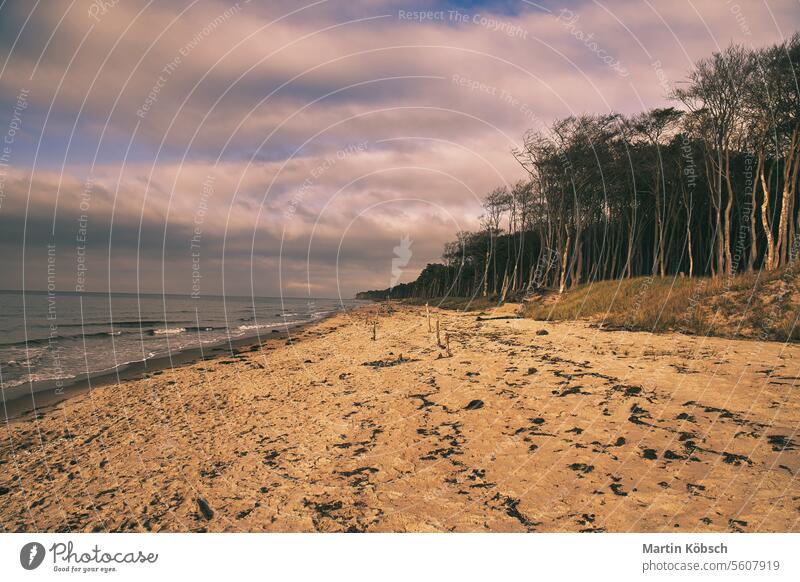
729, 266
578, 268
631, 239
753, 256
714, 186
656, 236
769, 256
690, 250
782, 247
564, 260
505, 287
486, 267
720, 239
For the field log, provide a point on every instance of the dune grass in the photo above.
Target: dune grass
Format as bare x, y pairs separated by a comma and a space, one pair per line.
761, 306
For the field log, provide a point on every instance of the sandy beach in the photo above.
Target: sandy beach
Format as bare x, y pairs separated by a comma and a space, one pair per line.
525, 426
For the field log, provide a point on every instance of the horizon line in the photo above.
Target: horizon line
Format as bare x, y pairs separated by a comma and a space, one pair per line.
173, 294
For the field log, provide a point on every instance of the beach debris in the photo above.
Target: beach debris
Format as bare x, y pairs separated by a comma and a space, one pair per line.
581, 467
735, 459
269, 458
630, 390
388, 363
616, 488
361, 475
693, 488
637, 413
781, 442
425, 402
374, 330
736, 524
588, 519
542, 332
205, 508
511, 506
326, 510
474, 405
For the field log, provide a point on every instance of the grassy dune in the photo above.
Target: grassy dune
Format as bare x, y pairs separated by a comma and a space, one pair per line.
759, 306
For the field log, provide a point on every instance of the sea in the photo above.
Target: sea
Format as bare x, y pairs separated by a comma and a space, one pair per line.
59, 337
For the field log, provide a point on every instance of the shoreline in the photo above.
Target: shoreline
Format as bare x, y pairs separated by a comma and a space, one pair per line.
525, 426
42, 395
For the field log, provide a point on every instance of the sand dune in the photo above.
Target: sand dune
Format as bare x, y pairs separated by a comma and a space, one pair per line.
528, 426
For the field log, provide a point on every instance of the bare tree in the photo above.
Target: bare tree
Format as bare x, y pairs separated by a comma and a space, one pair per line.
715, 97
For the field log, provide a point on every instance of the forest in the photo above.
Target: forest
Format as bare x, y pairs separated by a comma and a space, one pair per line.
704, 188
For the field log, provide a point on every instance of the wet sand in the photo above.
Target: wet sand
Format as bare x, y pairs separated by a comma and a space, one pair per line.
526, 426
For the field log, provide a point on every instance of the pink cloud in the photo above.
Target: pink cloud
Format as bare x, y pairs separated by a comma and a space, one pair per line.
277, 92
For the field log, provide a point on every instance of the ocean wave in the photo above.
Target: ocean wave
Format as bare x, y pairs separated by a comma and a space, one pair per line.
122, 323
134, 339
52, 340
30, 362
168, 331
259, 326
50, 375
36, 377
315, 315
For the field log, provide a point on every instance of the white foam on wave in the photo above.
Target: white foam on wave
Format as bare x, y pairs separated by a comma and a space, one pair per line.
36, 377
169, 331
318, 314
258, 326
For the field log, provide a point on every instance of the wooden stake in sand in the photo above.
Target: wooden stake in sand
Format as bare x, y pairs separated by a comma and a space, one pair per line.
374, 330
438, 337
447, 344
428, 313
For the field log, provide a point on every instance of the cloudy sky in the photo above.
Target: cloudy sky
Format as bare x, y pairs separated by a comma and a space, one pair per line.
285, 147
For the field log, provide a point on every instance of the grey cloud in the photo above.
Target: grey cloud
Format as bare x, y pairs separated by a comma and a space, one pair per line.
431, 139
